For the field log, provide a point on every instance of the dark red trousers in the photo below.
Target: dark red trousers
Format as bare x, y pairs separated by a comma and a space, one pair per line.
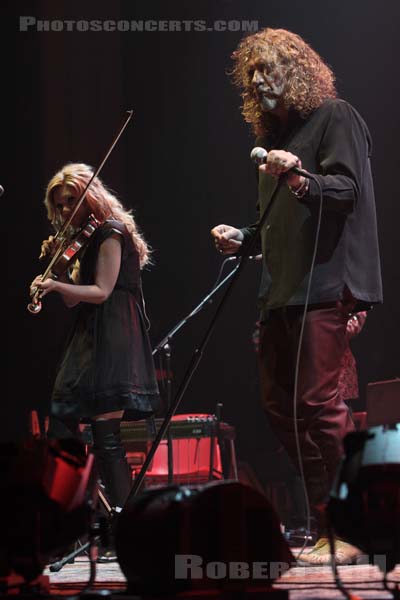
322, 417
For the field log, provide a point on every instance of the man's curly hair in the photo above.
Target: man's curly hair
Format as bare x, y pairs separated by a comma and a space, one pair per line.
309, 80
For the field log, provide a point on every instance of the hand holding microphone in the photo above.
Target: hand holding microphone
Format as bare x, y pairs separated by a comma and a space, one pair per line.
280, 162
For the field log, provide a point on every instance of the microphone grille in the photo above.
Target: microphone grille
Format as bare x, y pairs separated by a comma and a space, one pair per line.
258, 155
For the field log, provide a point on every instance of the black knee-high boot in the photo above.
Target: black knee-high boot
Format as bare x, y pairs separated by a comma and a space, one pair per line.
111, 460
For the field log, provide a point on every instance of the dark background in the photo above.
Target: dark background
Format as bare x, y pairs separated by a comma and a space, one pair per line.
183, 166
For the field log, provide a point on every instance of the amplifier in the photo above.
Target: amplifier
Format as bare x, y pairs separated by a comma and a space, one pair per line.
383, 402
202, 448
182, 426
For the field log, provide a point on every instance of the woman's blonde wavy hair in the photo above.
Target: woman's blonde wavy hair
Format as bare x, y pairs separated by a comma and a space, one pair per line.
102, 203
309, 80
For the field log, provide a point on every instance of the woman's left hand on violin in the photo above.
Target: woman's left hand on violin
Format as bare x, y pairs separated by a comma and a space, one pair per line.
47, 286
48, 247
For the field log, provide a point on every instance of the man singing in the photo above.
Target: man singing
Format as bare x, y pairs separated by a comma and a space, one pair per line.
289, 98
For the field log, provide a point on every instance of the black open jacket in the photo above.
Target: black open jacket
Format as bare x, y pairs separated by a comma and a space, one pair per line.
333, 143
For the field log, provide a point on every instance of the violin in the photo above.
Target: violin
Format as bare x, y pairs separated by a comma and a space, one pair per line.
65, 256
68, 251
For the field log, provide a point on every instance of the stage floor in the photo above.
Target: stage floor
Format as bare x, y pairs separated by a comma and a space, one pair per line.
311, 583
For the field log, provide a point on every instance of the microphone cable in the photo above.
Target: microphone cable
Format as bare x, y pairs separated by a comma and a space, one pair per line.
297, 367
259, 156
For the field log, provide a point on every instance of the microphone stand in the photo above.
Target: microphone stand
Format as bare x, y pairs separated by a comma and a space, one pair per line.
198, 353
194, 312
165, 346
167, 353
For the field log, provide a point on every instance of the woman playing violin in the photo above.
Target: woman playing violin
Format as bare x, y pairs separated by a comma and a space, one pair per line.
107, 368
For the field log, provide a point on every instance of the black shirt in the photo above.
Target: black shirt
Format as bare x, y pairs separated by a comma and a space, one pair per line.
333, 143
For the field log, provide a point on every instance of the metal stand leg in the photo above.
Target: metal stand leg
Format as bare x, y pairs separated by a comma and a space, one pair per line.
94, 537
167, 353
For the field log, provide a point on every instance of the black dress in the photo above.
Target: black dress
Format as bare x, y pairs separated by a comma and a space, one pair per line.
108, 364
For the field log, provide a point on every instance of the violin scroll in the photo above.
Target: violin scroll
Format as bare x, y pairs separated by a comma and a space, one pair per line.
35, 306
63, 258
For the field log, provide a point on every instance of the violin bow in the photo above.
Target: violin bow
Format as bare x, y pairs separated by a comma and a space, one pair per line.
68, 222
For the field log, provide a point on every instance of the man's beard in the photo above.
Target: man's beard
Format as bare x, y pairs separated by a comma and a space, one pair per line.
268, 104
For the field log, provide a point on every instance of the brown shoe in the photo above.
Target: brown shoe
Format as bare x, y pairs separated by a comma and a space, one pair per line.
320, 554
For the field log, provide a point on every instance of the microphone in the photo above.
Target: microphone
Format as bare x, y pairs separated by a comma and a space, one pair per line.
1, 190
259, 156
257, 257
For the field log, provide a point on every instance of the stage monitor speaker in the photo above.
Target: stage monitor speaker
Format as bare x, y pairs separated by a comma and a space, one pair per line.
222, 535
383, 402
364, 505
47, 492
